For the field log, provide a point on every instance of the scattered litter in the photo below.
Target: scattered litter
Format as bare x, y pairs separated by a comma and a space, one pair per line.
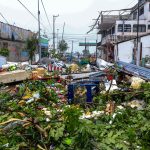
136, 82
139, 104
113, 86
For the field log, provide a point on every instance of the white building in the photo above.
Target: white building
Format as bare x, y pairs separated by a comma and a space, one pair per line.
125, 51
119, 33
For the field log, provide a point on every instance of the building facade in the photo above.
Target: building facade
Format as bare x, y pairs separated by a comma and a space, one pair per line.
14, 39
119, 34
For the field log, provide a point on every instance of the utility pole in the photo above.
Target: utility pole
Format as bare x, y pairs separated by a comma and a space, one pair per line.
63, 31
72, 51
96, 46
96, 50
39, 35
54, 19
137, 42
57, 38
85, 44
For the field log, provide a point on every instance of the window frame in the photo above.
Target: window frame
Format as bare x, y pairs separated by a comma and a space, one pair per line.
141, 12
141, 28
127, 27
120, 29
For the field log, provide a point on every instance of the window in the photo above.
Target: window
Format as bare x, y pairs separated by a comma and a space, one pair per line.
141, 11
149, 7
149, 27
135, 15
127, 28
142, 28
5, 45
120, 27
113, 30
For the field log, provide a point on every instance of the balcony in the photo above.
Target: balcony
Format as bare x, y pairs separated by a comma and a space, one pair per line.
112, 39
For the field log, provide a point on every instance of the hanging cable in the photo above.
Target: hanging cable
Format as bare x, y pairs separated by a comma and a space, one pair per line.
4, 18
131, 3
10, 25
30, 13
46, 14
28, 10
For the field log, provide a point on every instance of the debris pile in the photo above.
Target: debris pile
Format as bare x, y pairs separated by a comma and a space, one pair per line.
36, 115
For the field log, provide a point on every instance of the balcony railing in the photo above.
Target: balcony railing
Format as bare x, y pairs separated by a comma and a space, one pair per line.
112, 39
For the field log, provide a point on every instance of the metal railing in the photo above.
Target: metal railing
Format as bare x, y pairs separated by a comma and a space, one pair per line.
116, 38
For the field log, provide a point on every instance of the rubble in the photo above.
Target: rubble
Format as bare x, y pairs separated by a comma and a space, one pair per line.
136, 82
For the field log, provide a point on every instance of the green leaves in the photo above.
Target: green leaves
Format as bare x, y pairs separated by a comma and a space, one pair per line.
31, 46
57, 132
4, 52
64, 129
68, 141
71, 115
63, 46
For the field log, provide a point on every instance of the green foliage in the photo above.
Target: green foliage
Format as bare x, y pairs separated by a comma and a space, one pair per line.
63, 46
72, 115
84, 61
4, 52
31, 46
125, 129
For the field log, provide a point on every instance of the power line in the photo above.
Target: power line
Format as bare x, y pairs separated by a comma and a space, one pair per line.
4, 17
10, 25
31, 13
93, 26
77, 34
28, 10
131, 3
46, 14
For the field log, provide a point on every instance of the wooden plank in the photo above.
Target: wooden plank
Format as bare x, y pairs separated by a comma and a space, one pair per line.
14, 76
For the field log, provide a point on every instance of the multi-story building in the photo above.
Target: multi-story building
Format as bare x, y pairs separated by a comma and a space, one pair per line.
14, 39
116, 29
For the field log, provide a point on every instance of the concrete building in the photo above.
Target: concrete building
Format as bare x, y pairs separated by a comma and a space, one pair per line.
13, 38
125, 51
119, 33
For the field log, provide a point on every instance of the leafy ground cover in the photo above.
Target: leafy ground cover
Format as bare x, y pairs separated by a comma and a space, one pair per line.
35, 115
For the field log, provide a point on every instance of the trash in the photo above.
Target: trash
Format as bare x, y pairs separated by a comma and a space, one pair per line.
136, 82
40, 71
139, 104
36, 95
120, 107
87, 68
113, 86
94, 114
74, 68
30, 100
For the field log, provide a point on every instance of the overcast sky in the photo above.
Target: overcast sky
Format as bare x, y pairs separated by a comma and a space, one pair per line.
78, 15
